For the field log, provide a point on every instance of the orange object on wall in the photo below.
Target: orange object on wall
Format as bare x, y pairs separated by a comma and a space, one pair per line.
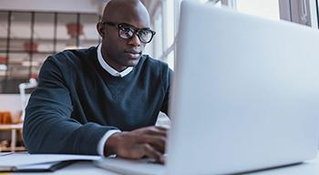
73, 29
5, 117
3, 60
28, 47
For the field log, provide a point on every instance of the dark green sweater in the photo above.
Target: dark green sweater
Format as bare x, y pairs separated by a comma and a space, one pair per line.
77, 102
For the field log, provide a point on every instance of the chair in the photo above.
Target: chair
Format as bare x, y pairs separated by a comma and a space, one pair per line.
23, 97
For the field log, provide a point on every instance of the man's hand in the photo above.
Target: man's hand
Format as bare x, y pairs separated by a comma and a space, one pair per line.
149, 142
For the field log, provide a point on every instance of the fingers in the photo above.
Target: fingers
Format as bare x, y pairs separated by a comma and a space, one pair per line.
161, 128
149, 141
155, 136
160, 131
143, 150
153, 153
156, 141
153, 130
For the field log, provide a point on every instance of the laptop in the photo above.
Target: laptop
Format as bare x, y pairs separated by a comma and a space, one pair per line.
245, 95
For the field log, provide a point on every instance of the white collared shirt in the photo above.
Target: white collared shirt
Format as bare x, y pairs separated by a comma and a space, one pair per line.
110, 69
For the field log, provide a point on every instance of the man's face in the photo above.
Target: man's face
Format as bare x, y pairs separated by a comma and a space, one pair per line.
118, 52
124, 52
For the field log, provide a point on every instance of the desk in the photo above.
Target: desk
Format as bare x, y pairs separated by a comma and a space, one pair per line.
308, 168
13, 128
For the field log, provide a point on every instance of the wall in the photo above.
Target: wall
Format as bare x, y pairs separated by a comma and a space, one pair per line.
11, 103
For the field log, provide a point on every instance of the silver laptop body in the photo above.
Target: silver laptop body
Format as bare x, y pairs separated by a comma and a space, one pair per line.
245, 95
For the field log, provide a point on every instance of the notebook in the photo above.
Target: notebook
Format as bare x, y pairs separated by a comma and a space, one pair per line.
24, 162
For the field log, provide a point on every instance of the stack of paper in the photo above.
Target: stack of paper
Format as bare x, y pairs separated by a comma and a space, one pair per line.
39, 162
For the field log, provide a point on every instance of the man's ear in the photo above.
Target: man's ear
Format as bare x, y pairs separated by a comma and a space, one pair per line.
100, 29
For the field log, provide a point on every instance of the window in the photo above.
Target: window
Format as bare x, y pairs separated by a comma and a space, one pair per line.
263, 8
169, 25
165, 21
297, 11
158, 38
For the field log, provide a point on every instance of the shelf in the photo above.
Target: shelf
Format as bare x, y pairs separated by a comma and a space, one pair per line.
58, 40
15, 129
8, 149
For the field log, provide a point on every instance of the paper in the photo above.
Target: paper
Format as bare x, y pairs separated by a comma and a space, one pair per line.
39, 162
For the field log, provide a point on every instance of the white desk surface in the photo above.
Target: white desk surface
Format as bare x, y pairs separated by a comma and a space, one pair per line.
307, 168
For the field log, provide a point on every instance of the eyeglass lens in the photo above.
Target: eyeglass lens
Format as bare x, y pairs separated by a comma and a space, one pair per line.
126, 32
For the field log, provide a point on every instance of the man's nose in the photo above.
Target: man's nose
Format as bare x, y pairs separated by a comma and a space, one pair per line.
135, 40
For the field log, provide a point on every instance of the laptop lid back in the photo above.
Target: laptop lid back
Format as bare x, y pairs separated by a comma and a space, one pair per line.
245, 93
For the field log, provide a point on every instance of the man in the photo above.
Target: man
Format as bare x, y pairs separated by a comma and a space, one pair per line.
102, 100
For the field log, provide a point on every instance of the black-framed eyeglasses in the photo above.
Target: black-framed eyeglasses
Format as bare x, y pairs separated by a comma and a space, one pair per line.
127, 32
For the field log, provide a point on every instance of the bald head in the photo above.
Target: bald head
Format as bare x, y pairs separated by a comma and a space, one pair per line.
126, 11
120, 17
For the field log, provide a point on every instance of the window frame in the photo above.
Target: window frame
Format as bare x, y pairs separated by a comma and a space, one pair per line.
290, 10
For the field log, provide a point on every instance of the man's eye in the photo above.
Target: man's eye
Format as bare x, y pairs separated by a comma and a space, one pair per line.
145, 32
127, 29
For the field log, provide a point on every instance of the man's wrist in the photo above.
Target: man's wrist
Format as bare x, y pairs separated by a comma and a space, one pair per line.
111, 144
102, 142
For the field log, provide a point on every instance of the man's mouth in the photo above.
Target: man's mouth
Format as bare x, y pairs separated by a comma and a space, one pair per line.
133, 54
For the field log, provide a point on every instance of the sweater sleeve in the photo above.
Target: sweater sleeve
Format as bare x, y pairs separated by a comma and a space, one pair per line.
48, 126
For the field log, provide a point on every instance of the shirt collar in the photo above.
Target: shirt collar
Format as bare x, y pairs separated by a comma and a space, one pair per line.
108, 68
